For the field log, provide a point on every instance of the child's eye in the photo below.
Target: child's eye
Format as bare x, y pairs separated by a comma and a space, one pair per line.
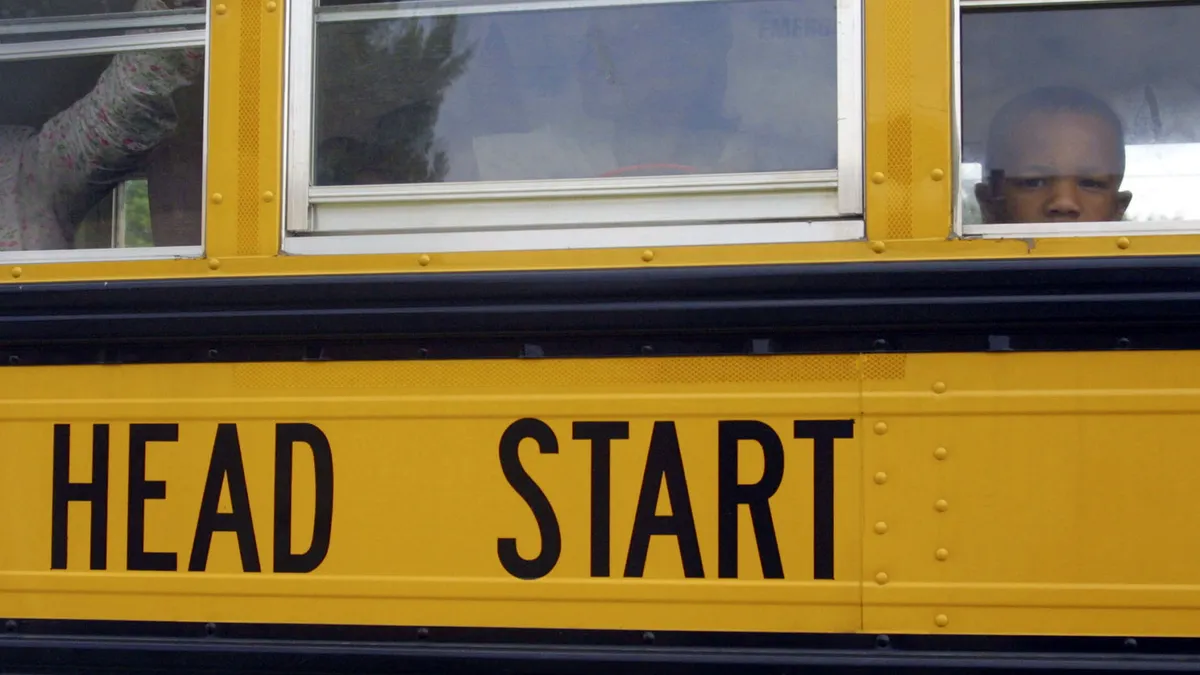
1031, 183
1093, 183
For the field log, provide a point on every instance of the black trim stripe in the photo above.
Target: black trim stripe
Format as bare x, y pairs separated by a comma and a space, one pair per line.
982, 305
69, 646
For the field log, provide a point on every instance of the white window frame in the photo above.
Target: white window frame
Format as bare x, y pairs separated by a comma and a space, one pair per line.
779, 207
1035, 230
193, 31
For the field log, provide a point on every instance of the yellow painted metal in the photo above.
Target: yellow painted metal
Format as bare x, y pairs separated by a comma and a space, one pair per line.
847, 252
907, 74
983, 493
420, 497
1058, 488
245, 132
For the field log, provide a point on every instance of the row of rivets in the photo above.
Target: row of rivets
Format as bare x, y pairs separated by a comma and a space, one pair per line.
941, 506
878, 178
424, 260
219, 198
877, 246
881, 477
881, 246
215, 264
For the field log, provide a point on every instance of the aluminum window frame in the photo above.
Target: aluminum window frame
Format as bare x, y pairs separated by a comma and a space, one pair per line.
1035, 230
179, 19
55, 48
797, 206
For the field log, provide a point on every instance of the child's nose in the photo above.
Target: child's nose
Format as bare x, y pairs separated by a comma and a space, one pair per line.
1064, 200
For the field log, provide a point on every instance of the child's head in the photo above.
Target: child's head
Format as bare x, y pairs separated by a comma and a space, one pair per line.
1054, 155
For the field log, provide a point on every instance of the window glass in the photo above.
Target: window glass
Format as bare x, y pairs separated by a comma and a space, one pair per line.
1087, 114
668, 89
40, 9
73, 130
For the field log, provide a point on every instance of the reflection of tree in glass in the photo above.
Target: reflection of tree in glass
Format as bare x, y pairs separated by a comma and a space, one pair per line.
137, 215
28, 9
96, 229
415, 64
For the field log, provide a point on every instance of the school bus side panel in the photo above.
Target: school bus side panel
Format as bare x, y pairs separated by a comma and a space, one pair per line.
1049, 493
407, 479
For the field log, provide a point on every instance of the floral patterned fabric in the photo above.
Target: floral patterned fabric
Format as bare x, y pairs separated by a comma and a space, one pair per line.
51, 177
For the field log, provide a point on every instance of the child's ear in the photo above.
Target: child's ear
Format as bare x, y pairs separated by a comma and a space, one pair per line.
989, 206
1123, 199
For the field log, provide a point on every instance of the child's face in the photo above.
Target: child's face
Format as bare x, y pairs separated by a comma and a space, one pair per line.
1062, 167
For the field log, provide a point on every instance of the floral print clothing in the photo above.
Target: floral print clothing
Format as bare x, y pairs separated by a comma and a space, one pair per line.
51, 177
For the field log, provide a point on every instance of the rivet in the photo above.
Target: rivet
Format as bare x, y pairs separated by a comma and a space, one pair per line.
221, 9
647, 255
937, 174
1123, 242
268, 196
941, 554
940, 453
881, 578
941, 620
424, 260
217, 198
941, 505
878, 246
881, 527
16, 272
880, 478
214, 263
881, 428
939, 387
877, 178
272, 6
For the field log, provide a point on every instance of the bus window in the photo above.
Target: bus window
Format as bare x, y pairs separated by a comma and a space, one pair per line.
101, 128
1079, 120
622, 117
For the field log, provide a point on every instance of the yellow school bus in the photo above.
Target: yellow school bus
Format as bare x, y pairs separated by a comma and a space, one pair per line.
574, 335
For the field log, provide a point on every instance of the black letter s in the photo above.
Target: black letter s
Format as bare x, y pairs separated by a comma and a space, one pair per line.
543, 512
